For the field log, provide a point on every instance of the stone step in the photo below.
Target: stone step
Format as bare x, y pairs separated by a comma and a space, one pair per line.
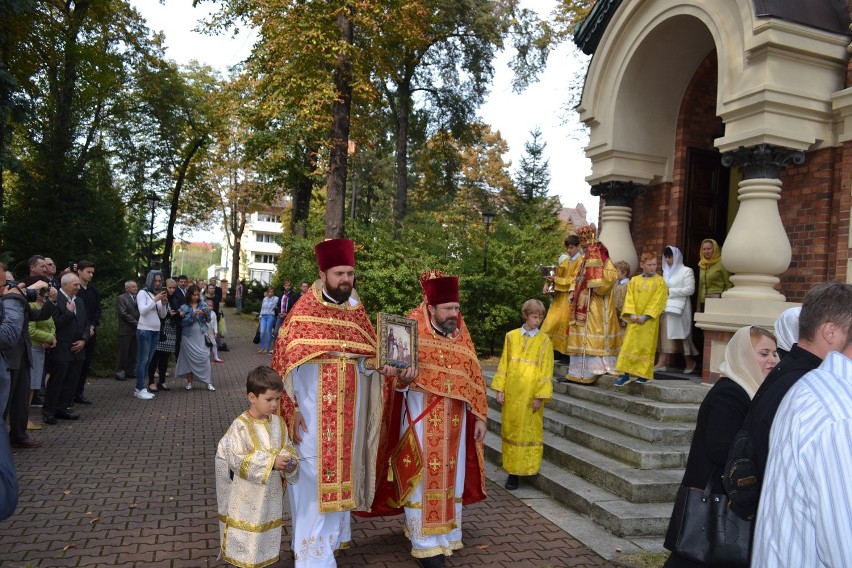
673, 391
629, 402
630, 483
607, 509
636, 426
631, 451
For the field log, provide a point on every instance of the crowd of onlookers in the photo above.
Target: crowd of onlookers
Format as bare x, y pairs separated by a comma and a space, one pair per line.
48, 347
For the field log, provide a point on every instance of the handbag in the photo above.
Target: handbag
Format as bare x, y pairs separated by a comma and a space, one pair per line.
207, 341
256, 339
709, 531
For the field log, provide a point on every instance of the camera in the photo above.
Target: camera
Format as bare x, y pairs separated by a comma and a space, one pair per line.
31, 295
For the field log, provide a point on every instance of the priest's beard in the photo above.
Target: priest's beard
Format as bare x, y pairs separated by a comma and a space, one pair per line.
448, 325
339, 294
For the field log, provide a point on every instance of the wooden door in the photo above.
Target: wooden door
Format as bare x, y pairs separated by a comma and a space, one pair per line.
706, 196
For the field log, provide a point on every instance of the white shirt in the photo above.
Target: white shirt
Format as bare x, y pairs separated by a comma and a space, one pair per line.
805, 513
267, 306
528, 333
150, 312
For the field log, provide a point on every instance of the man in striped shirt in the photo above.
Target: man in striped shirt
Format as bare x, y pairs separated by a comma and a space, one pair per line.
806, 502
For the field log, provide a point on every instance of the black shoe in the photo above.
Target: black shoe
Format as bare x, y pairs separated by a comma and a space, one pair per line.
81, 399
37, 402
433, 561
511, 482
29, 443
49, 419
162, 387
66, 414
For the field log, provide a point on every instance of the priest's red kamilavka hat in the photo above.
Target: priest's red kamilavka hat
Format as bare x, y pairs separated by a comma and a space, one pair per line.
442, 290
335, 252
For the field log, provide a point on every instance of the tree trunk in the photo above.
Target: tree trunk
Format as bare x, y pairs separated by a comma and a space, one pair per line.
302, 191
238, 226
60, 129
194, 146
402, 119
335, 205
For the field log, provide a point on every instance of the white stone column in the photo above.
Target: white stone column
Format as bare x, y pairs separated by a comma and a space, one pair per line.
616, 214
757, 249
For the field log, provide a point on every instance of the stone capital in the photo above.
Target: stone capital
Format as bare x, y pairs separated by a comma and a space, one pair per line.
763, 161
618, 193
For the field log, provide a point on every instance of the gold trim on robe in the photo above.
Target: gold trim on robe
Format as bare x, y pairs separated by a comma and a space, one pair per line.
449, 369
333, 336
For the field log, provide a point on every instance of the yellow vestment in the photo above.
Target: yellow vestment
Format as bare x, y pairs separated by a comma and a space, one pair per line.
555, 325
598, 337
646, 296
525, 372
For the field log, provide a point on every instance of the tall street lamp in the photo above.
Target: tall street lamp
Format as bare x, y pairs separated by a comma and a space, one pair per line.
153, 199
488, 217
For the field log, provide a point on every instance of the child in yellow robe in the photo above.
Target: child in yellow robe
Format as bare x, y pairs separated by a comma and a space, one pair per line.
251, 459
524, 383
645, 301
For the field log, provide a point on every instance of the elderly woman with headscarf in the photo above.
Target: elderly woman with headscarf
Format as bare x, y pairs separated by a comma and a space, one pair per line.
676, 321
787, 330
749, 357
151, 301
714, 278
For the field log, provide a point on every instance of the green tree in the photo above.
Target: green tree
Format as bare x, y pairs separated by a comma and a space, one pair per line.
442, 50
531, 204
73, 61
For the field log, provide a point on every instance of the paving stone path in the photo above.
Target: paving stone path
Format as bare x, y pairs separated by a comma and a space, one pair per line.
131, 484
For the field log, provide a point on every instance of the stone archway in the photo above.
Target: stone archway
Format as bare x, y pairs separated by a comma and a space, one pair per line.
776, 82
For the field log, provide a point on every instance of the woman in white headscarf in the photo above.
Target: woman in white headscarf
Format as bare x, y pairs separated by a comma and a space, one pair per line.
749, 357
787, 330
676, 321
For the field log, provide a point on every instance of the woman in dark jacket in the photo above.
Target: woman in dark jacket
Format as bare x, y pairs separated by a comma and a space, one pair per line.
749, 357
168, 341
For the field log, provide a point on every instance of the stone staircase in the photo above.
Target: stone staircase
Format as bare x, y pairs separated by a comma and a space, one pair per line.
613, 455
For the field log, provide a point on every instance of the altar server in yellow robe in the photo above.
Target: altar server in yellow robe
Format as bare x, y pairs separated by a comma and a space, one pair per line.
562, 284
645, 301
523, 384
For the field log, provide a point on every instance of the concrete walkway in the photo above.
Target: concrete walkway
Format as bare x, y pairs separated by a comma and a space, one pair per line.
131, 484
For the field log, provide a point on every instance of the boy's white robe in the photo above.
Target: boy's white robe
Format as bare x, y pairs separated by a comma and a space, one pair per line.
249, 493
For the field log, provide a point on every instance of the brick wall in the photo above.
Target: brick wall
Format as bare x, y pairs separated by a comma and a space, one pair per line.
814, 216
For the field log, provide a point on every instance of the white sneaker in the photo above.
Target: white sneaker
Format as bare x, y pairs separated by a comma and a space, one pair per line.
143, 395
211, 388
188, 386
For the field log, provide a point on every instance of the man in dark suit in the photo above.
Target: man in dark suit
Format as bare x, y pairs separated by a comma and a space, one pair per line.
128, 317
72, 331
91, 296
285, 304
20, 363
178, 300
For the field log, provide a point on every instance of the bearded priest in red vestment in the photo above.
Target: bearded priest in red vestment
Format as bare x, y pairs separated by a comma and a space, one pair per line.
431, 470
332, 403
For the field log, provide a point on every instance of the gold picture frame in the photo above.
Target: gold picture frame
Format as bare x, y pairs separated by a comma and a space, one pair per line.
397, 340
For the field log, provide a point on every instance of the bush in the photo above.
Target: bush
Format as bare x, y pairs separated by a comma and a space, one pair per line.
106, 348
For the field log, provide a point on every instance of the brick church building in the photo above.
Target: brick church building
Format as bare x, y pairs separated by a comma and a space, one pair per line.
724, 119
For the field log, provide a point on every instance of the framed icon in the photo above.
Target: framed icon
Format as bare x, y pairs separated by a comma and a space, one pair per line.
397, 340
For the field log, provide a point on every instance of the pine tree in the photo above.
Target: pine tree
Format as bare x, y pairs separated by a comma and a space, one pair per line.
533, 176
531, 203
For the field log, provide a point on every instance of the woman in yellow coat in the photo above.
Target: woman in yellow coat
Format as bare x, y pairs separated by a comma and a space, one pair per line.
523, 384
645, 301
